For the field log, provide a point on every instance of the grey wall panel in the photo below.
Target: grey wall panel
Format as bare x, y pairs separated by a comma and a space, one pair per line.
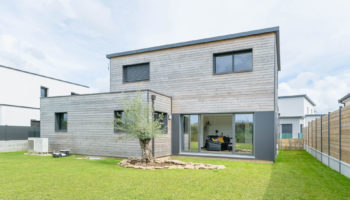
264, 135
175, 134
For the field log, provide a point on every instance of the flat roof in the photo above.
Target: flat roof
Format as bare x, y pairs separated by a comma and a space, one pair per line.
19, 70
116, 92
299, 95
344, 98
206, 40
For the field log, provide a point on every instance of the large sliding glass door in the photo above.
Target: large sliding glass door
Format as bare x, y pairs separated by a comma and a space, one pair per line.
218, 133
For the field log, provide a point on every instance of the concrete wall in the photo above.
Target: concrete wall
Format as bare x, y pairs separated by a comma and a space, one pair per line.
291, 106
90, 124
13, 145
186, 74
334, 163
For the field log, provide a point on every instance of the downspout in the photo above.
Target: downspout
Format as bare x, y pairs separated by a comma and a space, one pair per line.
153, 98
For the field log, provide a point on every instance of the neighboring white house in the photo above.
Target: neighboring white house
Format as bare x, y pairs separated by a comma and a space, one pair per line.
295, 112
345, 100
21, 91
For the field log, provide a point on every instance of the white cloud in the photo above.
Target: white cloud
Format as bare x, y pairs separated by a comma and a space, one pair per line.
69, 39
324, 90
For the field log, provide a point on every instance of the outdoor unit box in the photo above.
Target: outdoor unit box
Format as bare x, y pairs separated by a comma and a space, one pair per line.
38, 145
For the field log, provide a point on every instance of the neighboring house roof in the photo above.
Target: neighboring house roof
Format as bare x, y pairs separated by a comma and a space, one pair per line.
206, 40
344, 98
308, 115
290, 117
42, 76
314, 115
300, 95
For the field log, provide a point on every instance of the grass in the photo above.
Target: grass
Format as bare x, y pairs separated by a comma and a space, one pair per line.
244, 146
295, 175
193, 146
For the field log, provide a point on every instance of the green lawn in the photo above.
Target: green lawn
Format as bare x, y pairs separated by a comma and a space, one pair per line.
295, 175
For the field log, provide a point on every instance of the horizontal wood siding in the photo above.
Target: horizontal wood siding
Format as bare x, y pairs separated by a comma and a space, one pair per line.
325, 134
90, 124
186, 74
318, 135
162, 144
334, 134
345, 134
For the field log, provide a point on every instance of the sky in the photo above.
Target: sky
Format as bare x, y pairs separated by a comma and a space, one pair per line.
69, 39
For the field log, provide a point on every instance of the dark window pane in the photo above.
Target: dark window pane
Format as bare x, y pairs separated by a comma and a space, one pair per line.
61, 121
223, 64
163, 120
118, 115
43, 92
287, 131
243, 62
139, 72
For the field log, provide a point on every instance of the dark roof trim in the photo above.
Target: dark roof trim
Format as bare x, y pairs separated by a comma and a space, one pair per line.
206, 40
300, 95
43, 76
314, 115
19, 106
291, 117
344, 98
127, 91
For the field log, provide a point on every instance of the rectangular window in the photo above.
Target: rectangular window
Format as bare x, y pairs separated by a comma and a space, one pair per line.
287, 131
241, 61
61, 122
43, 91
137, 72
73, 93
118, 115
163, 120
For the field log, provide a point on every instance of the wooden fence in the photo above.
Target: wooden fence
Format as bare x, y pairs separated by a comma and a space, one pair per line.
328, 138
291, 144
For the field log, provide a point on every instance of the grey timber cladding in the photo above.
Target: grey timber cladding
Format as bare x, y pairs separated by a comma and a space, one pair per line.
162, 144
206, 40
186, 74
90, 128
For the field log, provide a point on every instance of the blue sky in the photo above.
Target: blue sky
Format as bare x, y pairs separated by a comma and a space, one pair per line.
69, 39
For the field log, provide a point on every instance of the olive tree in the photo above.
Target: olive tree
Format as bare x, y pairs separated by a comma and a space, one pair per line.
137, 121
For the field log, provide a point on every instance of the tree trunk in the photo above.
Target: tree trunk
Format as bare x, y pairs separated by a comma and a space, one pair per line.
147, 156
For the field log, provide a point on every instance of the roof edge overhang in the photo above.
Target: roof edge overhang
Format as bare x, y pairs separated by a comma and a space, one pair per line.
344, 98
207, 40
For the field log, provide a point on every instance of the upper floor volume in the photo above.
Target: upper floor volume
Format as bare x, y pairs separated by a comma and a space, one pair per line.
218, 73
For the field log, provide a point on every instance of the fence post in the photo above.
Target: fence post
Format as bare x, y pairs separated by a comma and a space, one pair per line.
329, 130
339, 139
321, 140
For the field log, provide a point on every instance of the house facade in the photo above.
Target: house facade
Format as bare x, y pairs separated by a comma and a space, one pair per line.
345, 100
219, 96
20, 103
295, 113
